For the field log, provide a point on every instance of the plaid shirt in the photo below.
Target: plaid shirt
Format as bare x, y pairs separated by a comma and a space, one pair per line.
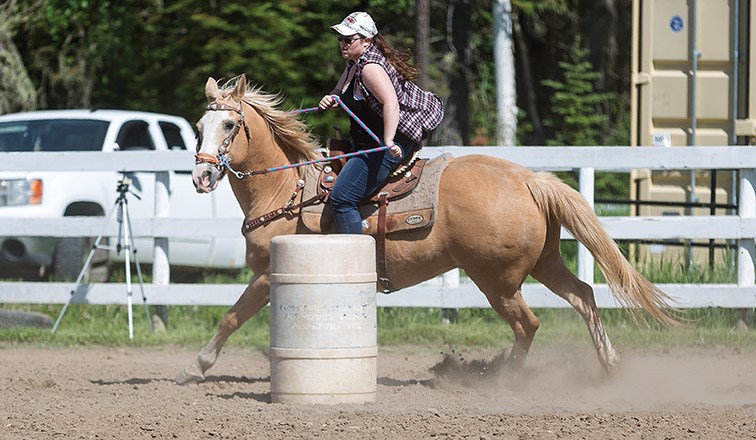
420, 112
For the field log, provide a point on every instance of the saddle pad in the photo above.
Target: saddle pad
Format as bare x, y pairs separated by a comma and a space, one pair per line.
416, 210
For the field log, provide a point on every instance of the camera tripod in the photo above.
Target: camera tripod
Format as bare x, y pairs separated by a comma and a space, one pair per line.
121, 209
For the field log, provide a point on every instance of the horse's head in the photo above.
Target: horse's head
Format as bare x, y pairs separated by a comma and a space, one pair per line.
233, 114
218, 133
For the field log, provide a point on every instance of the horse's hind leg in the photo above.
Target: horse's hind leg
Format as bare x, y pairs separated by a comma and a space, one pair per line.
552, 272
254, 298
510, 305
524, 325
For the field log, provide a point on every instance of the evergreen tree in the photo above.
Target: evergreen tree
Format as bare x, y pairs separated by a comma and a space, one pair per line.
578, 120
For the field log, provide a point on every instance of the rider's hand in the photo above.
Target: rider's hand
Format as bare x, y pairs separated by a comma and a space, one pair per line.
395, 149
328, 101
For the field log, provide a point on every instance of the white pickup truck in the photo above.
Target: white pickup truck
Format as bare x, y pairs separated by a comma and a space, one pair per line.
33, 194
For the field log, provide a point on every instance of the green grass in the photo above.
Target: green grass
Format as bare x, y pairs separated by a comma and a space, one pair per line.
193, 326
108, 326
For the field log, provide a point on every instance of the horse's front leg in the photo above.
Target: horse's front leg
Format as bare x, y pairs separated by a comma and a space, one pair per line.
254, 298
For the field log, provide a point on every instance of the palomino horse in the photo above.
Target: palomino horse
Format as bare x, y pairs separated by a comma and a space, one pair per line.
496, 220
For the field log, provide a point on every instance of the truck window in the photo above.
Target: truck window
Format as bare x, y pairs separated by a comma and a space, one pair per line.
53, 135
172, 135
135, 135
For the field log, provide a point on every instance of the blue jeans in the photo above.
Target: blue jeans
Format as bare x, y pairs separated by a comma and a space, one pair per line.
361, 176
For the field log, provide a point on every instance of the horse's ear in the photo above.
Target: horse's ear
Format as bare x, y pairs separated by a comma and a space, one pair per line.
211, 89
241, 88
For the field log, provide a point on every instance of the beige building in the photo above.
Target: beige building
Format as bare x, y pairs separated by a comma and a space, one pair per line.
691, 87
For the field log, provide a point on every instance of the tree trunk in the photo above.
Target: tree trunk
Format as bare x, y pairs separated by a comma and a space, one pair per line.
73, 82
455, 127
422, 30
506, 99
527, 77
602, 41
17, 92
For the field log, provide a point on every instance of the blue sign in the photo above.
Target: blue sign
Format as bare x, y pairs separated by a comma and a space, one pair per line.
676, 23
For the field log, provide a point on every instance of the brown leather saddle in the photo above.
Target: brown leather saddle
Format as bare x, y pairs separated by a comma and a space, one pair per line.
407, 201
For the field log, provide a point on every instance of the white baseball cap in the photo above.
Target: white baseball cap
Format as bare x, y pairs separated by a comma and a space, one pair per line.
357, 23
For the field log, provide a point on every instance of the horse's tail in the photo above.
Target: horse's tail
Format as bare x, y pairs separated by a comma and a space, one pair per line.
565, 206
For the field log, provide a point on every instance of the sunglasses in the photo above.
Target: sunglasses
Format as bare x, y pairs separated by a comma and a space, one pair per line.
347, 40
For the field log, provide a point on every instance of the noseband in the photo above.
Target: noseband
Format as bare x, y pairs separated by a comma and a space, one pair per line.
219, 160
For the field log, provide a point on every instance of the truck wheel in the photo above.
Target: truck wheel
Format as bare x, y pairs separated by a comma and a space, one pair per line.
70, 255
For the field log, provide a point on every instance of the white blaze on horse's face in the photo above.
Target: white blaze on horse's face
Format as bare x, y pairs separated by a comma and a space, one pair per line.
217, 129
213, 129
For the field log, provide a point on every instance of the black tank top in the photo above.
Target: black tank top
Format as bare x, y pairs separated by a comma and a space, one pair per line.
360, 107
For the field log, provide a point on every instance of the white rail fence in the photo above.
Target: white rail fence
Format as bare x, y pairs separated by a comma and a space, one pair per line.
445, 292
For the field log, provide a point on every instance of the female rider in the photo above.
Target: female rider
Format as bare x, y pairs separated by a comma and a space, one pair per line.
376, 85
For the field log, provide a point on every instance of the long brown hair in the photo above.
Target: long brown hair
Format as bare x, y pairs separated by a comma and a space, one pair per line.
397, 59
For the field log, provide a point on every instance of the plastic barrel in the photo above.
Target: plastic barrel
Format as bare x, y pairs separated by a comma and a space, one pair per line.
323, 330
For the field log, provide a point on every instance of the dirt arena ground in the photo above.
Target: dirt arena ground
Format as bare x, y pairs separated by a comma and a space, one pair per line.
129, 393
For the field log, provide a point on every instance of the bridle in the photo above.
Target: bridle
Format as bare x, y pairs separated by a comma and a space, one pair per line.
221, 161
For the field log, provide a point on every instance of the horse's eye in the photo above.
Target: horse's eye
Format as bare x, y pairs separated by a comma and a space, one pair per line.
229, 125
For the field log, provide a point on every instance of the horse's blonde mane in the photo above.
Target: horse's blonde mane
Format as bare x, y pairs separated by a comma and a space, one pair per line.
291, 134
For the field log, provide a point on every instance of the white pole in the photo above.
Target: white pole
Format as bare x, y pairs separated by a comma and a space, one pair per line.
161, 268
127, 256
450, 279
584, 258
506, 103
747, 209
747, 247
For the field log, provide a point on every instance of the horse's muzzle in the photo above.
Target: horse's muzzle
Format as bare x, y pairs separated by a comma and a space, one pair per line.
205, 177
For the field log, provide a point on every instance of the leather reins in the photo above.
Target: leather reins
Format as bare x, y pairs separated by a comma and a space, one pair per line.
222, 161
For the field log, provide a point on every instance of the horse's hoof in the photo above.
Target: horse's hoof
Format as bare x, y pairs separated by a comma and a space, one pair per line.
514, 362
612, 367
612, 370
187, 377
512, 365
